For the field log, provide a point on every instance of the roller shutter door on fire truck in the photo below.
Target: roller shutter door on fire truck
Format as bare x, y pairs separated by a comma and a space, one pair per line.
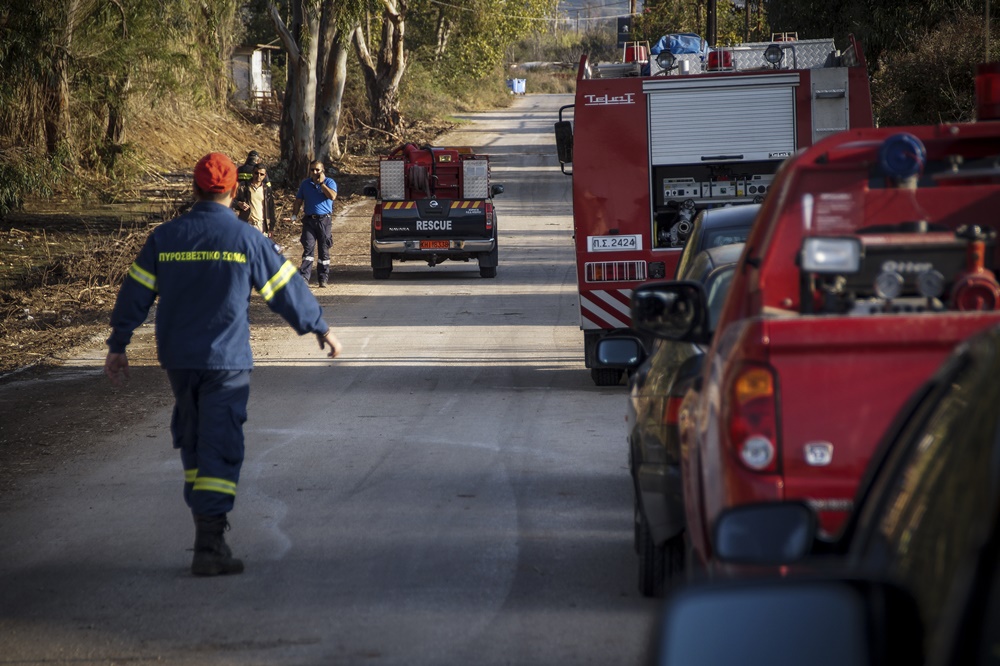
727, 118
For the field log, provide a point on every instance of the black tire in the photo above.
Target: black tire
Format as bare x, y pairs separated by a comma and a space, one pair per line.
652, 567
694, 572
606, 376
488, 263
660, 567
381, 273
636, 518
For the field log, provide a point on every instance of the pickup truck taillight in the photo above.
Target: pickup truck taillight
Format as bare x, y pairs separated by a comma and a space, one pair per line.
752, 418
672, 409
489, 215
377, 218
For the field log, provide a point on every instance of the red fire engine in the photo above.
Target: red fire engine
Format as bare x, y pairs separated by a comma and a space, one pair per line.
654, 141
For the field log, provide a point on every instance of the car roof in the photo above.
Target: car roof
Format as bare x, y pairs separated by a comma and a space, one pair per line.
730, 216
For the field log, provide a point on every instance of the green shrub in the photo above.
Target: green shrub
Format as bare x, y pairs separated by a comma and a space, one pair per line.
930, 84
23, 175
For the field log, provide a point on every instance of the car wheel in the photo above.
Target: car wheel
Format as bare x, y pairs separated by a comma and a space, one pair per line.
488, 263
606, 376
381, 273
693, 570
636, 517
651, 562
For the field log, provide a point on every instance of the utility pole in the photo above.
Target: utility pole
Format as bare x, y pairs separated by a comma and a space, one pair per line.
631, 7
711, 27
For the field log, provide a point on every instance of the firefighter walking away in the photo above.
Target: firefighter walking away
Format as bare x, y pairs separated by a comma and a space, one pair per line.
202, 267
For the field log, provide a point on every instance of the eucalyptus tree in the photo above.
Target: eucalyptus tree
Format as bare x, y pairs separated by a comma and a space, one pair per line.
468, 39
380, 47
317, 38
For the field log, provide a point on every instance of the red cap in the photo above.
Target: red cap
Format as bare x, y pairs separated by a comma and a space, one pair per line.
215, 173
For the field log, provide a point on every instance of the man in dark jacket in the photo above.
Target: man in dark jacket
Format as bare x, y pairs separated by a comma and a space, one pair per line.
202, 267
254, 202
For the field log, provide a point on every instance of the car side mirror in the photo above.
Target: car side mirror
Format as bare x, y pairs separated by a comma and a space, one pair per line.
620, 352
370, 191
789, 622
767, 534
564, 141
672, 310
496, 189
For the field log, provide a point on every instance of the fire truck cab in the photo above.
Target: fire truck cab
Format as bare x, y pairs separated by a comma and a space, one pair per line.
654, 141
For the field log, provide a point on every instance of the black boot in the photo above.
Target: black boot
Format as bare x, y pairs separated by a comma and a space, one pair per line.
212, 556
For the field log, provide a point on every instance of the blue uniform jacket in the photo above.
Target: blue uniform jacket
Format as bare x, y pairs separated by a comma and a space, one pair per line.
202, 265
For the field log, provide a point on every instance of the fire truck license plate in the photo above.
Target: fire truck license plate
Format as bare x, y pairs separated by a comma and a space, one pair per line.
433, 245
614, 243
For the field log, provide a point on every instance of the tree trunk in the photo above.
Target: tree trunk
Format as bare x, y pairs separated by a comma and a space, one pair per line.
331, 96
442, 32
298, 128
56, 107
383, 74
114, 136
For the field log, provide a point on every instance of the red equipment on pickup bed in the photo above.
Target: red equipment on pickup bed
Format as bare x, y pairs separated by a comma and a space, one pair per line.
434, 204
870, 260
654, 142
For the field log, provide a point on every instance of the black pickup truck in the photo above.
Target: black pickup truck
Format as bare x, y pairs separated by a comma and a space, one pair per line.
433, 205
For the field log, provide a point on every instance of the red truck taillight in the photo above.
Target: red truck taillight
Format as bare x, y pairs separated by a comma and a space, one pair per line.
489, 215
377, 218
753, 419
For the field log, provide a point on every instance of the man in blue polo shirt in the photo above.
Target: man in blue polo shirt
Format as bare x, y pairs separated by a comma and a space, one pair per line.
318, 193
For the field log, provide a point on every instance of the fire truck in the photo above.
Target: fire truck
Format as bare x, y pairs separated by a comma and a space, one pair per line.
434, 205
653, 141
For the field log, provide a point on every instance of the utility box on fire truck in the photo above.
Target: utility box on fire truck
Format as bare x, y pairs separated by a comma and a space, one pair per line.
653, 142
433, 205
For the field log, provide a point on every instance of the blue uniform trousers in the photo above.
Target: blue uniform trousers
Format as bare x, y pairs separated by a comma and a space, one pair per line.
317, 237
210, 408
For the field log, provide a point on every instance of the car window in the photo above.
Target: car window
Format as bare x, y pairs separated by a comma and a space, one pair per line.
716, 289
726, 236
697, 268
932, 517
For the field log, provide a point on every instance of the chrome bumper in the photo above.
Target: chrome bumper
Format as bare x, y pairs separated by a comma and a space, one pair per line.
413, 246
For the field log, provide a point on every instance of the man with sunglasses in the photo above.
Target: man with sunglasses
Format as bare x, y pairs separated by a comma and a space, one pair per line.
254, 202
317, 193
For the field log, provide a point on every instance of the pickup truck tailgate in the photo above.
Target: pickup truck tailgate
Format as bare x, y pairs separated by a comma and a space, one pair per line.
441, 218
840, 382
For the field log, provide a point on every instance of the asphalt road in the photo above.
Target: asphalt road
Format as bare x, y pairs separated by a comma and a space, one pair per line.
454, 490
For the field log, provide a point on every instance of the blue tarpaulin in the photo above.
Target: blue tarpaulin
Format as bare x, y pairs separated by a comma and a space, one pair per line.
687, 42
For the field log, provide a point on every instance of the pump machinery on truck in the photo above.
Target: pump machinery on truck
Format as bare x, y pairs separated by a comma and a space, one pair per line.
434, 205
653, 141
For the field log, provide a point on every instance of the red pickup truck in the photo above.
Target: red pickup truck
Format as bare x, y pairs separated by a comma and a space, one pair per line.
870, 259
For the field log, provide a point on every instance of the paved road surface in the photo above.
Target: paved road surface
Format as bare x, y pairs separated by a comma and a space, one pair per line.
453, 491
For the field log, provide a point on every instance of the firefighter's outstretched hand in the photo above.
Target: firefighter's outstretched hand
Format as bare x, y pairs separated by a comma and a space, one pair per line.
329, 339
116, 368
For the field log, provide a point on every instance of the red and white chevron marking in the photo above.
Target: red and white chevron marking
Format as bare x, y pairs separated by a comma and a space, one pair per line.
605, 309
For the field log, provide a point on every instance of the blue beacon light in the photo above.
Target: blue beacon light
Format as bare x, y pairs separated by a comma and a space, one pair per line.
902, 156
